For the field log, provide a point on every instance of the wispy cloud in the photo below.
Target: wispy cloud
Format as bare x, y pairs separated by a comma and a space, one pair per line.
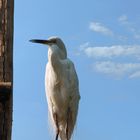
111, 51
137, 36
130, 26
103, 55
115, 59
132, 70
100, 28
123, 19
135, 74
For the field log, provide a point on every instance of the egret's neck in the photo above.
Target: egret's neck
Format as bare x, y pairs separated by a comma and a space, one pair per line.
55, 54
54, 57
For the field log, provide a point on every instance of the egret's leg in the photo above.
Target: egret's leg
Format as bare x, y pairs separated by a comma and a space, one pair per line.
56, 138
67, 128
57, 127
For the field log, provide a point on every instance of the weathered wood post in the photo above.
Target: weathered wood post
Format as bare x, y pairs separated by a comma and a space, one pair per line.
6, 68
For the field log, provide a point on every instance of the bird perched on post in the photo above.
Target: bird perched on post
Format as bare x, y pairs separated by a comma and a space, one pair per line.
62, 88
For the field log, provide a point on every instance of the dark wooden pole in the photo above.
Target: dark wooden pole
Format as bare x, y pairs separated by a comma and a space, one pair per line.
6, 68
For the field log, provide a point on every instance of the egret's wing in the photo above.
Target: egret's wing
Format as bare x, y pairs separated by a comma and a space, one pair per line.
73, 91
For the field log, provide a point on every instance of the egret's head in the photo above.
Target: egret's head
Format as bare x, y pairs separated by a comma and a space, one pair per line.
52, 41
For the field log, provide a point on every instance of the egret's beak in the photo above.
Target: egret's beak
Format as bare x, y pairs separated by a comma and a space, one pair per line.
40, 41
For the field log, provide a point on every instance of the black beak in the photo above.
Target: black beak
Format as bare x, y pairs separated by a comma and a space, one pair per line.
40, 41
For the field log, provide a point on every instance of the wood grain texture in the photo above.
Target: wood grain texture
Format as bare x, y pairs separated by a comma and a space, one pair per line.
6, 68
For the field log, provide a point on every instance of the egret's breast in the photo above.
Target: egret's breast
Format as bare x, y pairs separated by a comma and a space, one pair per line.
53, 87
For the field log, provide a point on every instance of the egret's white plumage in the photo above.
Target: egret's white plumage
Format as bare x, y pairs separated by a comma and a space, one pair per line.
62, 88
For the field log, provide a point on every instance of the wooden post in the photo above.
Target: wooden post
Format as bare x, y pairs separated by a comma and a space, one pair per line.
6, 68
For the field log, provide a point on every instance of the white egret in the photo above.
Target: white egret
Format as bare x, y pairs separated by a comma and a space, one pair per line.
62, 88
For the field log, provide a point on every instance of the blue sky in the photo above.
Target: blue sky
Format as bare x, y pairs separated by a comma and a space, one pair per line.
103, 40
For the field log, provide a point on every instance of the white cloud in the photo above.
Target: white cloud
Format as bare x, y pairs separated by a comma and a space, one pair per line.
137, 36
130, 26
111, 51
135, 75
116, 53
84, 46
123, 19
118, 69
98, 27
